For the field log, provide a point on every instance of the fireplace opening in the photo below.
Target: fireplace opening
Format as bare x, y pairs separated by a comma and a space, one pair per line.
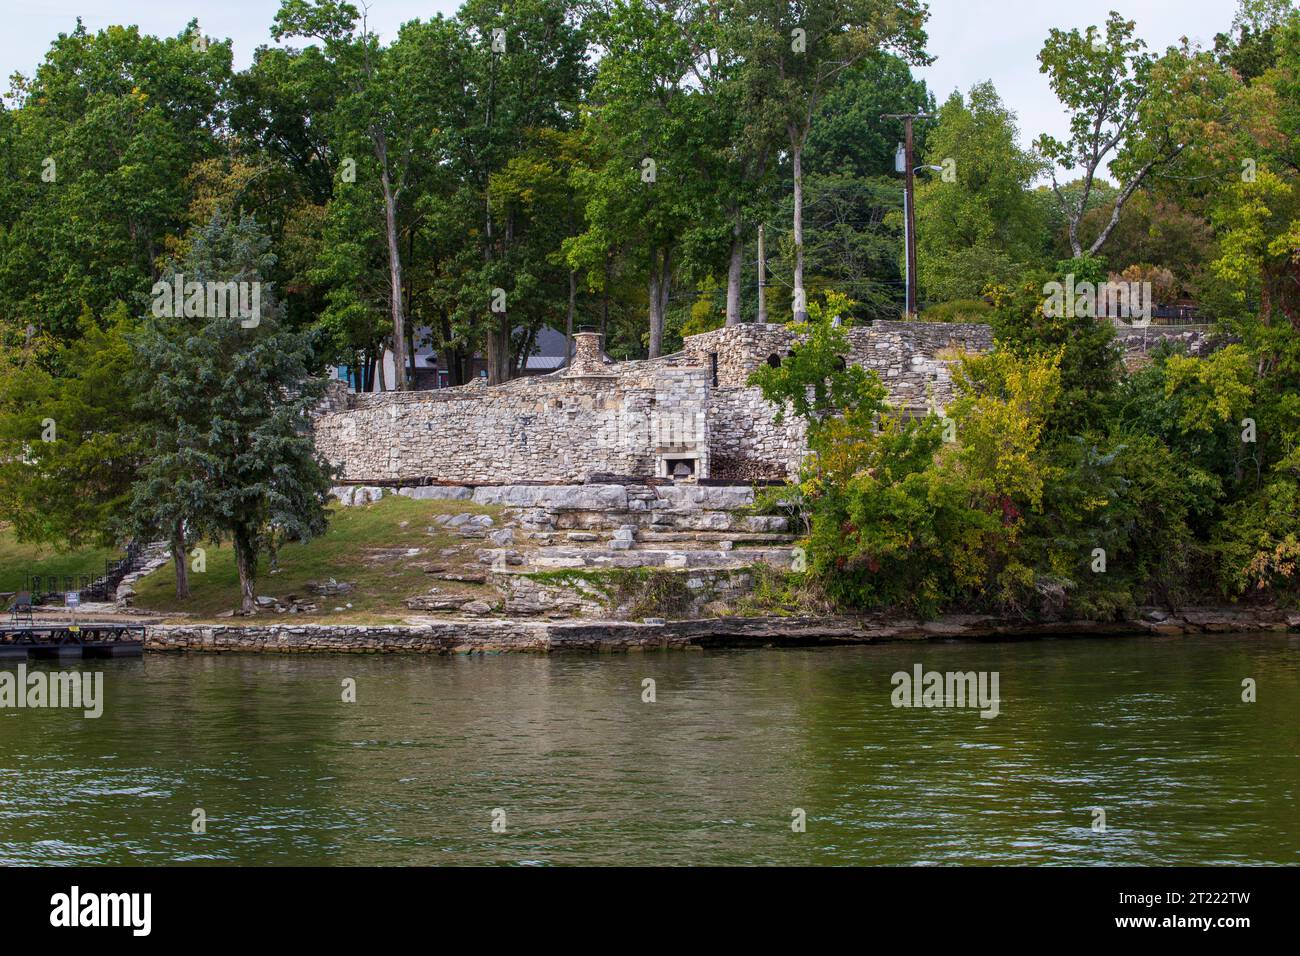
680, 468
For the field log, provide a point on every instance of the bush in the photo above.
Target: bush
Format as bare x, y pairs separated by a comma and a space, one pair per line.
958, 310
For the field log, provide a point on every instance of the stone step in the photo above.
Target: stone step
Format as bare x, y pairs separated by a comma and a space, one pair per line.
735, 537
556, 558
663, 522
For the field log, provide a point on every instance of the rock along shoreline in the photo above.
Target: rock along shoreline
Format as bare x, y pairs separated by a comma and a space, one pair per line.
479, 636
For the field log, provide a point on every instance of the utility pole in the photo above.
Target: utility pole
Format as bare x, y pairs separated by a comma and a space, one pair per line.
762, 279
909, 205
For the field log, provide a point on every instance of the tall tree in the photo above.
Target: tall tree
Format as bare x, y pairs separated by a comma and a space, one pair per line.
374, 103
519, 67
796, 52
650, 130
1129, 112
99, 148
231, 397
976, 223
71, 444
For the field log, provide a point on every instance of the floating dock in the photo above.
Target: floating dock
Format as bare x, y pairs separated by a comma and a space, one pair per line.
45, 639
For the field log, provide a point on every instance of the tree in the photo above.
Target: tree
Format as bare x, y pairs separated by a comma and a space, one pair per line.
1128, 110
233, 449
649, 133
796, 53
852, 197
70, 442
518, 68
848, 133
853, 238
374, 103
1083, 348
1156, 231
982, 227
1248, 47
97, 155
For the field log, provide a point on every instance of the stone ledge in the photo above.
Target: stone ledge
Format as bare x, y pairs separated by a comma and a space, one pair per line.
471, 635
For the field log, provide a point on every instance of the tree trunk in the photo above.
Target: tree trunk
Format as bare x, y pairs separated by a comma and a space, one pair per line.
410, 351
800, 297
604, 302
568, 322
394, 264
410, 300
498, 350
734, 273
246, 562
179, 560
762, 279
659, 287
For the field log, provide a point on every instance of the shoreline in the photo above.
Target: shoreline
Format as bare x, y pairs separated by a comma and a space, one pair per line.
479, 636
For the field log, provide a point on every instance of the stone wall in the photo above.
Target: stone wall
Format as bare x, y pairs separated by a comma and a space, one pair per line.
1137, 343
908, 356
745, 442
670, 594
549, 428
469, 636
438, 637
630, 419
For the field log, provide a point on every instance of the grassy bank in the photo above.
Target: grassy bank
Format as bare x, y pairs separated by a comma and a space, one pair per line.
368, 546
18, 560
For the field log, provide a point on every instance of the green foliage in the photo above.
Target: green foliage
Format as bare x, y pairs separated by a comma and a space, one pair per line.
71, 443
816, 381
1258, 543
233, 454
1089, 362
97, 156
957, 310
902, 517
982, 227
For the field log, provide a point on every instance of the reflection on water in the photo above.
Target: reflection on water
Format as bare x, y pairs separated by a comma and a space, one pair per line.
1153, 731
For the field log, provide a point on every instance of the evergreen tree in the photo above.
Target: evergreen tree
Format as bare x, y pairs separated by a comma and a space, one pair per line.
234, 451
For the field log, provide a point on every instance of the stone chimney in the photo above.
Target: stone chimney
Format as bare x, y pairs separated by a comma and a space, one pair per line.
587, 358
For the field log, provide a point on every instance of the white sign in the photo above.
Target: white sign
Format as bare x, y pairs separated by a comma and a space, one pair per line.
72, 599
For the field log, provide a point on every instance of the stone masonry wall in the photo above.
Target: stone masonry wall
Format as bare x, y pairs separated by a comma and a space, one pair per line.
1137, 343
549, 428
745, 443
630, 418
910, 357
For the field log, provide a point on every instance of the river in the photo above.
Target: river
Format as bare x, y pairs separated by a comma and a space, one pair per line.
573, 766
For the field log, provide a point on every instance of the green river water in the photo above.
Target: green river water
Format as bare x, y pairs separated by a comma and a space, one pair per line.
1151, 730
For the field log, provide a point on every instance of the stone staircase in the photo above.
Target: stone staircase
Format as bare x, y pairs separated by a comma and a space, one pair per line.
707, 533
665, 525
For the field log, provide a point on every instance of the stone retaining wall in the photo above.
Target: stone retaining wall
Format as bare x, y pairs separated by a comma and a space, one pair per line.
499, 636
440, 637
683, 594
1137, 343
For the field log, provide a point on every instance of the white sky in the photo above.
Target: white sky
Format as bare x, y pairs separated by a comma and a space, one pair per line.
972, 40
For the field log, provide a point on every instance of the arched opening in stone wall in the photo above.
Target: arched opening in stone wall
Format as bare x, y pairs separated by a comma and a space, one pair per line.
774, 360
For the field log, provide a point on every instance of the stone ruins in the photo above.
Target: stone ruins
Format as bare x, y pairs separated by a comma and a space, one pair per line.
689, 415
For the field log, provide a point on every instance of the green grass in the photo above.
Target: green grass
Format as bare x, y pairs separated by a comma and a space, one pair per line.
346, 552
17, 560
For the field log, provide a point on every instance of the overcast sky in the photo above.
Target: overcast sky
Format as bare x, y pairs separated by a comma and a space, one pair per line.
971, 40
